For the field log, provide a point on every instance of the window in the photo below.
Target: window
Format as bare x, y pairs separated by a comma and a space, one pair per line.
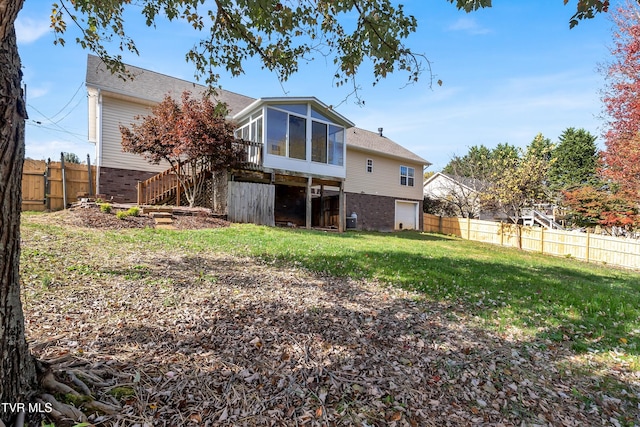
369, 166
297, 134
297, 137
336, 145
407, 176
256, 130
318, 142
277, 132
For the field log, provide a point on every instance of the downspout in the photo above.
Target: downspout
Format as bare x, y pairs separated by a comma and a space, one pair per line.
98, 119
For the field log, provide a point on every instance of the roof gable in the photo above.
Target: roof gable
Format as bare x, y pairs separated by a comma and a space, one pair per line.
151, 86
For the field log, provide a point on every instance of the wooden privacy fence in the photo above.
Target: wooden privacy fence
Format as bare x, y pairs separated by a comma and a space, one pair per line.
590, 247
53, 185
251, 203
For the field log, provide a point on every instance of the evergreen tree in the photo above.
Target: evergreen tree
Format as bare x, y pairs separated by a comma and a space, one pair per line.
574, 161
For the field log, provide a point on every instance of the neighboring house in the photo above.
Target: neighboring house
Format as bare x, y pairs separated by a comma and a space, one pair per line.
460, 194
304, 164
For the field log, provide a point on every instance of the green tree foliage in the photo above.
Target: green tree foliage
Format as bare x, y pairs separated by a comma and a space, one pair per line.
279, 33
480, 162
71, 158
586, 9
574, 161
518, 182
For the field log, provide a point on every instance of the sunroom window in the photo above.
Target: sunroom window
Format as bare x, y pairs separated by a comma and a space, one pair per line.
251, 130
336, 145
294, 130
277, 132
319, 142
297, 137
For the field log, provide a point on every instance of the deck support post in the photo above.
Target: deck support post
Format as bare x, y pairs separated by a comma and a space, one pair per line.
341, 209
309, 204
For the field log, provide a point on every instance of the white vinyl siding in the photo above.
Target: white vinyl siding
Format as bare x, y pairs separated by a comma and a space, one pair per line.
383, 180
116, 112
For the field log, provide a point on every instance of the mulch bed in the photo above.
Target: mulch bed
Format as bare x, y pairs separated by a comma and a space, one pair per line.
90, 216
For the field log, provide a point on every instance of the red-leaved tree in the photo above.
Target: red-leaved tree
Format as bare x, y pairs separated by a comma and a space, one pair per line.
622, 104
593, 206
192, 136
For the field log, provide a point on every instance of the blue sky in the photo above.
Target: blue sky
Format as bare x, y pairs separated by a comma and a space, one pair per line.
509, 73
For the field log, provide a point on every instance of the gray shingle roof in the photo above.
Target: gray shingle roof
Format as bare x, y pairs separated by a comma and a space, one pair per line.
372, 141
152, 86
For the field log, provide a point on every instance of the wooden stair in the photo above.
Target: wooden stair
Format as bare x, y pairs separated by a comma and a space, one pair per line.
162, 215
165, 187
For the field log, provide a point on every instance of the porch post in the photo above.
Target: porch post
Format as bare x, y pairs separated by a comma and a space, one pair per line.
309, 204
322, 221
341, 209
139, 187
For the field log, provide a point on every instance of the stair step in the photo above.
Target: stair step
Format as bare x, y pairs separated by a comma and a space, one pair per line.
153, 209
164, 221
165, 227
160, 214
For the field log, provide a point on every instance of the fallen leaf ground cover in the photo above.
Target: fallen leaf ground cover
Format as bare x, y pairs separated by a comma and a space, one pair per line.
245, 325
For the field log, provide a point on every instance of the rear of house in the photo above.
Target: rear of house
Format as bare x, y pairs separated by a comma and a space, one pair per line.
304, 164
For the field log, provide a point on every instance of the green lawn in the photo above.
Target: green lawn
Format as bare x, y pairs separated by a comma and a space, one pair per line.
594, 308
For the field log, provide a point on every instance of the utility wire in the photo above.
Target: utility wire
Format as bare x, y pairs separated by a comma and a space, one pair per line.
48, 119
69, 102
70, 111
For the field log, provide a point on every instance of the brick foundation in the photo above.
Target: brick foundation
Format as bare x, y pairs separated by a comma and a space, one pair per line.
120, 184
375, 212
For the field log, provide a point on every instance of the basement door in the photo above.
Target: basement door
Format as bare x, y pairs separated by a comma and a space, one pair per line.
406, 215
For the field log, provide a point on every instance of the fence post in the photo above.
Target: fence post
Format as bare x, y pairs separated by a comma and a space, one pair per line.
542, 240
64, 182
468, 228
587, 245
440, 224
47, 185
90, 176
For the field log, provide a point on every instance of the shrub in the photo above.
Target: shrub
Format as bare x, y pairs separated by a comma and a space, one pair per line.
133, 211
122, 214
105, 207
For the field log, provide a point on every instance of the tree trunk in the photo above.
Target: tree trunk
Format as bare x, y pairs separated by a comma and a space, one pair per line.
17, 367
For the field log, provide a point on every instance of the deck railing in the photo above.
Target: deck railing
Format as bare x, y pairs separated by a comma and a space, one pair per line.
166, 185
160, 186
250, 155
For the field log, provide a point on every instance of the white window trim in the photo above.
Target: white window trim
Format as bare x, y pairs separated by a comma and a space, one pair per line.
369, 166
407, 176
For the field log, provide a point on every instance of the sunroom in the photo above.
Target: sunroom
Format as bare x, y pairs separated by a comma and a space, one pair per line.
298, 145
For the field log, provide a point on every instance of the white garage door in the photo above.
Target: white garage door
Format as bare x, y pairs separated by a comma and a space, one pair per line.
406, 215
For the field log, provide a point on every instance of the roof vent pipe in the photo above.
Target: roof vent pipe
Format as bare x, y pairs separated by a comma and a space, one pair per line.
380, 131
